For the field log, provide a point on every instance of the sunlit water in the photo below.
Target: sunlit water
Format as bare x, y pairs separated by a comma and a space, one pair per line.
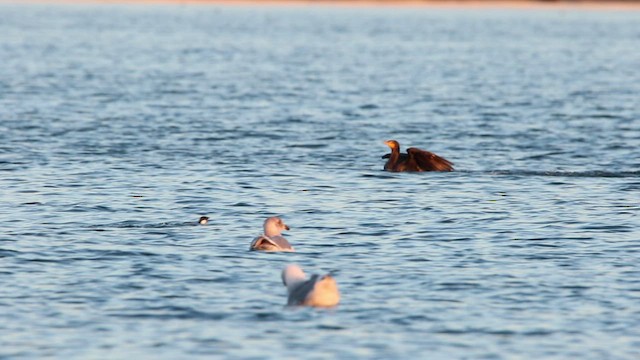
121, 125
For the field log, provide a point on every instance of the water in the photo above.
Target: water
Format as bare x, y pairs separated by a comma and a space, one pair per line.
121, 125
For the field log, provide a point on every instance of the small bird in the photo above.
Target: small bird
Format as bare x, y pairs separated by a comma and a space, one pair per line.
414, 160
319, 290
272, 239
203, 220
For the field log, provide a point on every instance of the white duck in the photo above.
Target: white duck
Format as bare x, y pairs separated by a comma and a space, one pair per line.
319, 290
272, 239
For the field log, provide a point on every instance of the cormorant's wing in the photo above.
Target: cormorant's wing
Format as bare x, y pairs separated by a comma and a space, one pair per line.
428, 161
403, 157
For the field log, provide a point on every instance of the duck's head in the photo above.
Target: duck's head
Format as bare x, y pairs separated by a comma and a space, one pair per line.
292, 274
274, 226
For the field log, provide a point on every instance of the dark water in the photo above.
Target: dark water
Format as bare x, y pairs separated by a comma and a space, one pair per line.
121, 125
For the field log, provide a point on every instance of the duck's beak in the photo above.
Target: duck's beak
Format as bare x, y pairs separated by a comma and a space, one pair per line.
286, 227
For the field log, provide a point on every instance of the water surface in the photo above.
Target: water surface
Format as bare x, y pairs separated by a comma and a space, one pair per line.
121, 125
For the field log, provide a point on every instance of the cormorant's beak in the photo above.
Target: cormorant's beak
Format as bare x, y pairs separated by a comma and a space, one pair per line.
388, 143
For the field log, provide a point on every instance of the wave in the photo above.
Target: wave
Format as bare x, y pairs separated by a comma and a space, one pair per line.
555, 173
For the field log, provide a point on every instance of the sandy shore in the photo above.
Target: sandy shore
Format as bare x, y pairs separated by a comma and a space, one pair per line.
506, 4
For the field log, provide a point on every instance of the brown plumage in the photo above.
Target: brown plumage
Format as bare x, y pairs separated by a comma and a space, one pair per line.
414, 160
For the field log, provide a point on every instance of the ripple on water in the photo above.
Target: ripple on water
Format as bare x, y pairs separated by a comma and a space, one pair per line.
168, 313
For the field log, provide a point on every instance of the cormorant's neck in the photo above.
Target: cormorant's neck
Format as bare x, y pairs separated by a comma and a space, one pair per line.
395, 154
394, 157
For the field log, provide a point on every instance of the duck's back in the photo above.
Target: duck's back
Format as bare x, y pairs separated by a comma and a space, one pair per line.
281, 242
273, 243
317, 291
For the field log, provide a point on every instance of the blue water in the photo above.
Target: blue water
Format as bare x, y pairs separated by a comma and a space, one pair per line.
121, 125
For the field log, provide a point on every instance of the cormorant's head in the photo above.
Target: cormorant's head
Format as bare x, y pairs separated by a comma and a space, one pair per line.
394, 145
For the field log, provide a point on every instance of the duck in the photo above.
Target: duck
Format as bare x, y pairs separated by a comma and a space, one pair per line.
203, 220
414, 160
272, 239
317, 291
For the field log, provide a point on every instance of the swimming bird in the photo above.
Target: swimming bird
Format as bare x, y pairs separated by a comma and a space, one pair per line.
203, 220
414, 160
319, 290
271, 239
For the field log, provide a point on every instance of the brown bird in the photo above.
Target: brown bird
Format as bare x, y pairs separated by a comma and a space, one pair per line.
414, 160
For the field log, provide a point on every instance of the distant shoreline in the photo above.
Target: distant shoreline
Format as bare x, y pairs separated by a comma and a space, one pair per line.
460, 4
